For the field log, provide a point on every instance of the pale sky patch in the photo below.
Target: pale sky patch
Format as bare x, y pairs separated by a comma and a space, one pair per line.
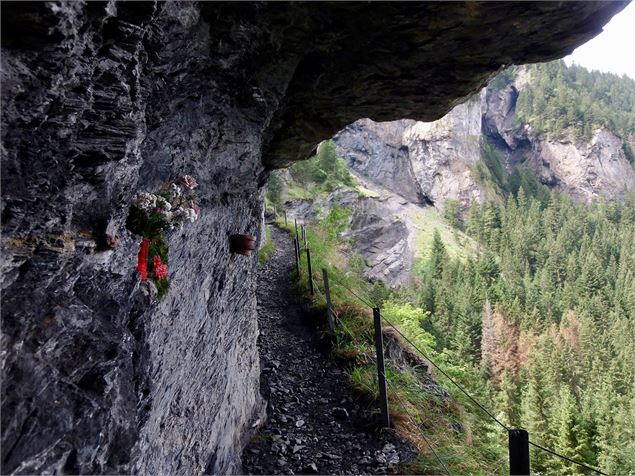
613, 50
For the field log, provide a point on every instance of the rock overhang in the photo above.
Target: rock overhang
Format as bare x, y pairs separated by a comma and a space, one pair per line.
415, 60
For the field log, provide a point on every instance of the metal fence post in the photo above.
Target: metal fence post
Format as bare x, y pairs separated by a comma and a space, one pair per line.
306, 241
518, 452
329, 305
285, 218
308, 262
295, 221
297, 256
381, 370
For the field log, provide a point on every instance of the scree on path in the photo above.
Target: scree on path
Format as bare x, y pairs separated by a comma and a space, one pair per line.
314, 424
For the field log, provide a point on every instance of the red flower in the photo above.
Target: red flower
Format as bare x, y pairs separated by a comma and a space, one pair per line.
142, 265
160, 270
189, 182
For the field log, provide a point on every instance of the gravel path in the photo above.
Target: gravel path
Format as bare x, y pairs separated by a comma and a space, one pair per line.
314, 425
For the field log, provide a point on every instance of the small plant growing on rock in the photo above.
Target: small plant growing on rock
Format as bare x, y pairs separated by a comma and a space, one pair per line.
151, 215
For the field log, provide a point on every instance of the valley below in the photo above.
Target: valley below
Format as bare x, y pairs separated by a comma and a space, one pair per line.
506, 239
470, 205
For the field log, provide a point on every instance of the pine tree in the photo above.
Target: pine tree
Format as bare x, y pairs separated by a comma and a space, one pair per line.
438, 255
571, 438
537, 396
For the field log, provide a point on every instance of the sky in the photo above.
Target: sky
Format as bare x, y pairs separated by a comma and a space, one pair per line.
613, 50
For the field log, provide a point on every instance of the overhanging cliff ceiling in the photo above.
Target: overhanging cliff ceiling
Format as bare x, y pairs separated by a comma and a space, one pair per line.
323, 65
387, 61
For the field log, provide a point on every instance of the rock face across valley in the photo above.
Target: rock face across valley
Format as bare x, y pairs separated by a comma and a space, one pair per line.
383, 227
424, 162
584, 169
431, 162
102, 100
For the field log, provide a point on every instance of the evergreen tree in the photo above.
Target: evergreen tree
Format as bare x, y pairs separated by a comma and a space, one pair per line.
438, 255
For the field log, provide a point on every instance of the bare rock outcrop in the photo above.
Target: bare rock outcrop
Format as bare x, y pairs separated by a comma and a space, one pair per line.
431, 162
424, 162
584, 169
443, 154
378, 152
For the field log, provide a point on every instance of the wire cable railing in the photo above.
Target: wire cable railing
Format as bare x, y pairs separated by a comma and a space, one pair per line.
445, 374
412, 419
417, 348
566, 458
388, 380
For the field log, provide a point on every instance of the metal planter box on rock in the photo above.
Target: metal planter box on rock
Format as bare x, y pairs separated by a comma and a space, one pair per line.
242, 244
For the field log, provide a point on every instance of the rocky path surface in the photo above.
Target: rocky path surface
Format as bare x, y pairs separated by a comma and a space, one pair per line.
315, 425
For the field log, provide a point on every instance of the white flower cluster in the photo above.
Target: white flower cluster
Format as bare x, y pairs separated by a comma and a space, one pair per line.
171, 204
145, 200
186, 214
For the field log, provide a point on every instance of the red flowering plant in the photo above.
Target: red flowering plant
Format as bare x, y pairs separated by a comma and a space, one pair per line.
151, 215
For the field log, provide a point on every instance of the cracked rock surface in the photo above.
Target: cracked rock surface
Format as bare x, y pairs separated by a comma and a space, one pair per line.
315, 425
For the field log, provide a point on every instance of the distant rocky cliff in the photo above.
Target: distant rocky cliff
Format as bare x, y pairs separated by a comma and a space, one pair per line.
431, 162
425, 162
410, 165
584, 169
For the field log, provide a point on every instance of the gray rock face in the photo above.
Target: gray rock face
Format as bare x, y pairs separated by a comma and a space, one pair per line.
431, 162
379, 229
424, 162
444, 153
378, 152
104, 99
381, 238
583, 169
97, 377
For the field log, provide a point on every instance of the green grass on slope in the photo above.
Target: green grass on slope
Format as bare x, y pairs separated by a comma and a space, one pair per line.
266, 250
426, 220
297, 192
417, 414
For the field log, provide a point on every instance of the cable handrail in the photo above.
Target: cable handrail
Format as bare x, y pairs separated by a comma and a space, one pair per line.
465, 392
352, 292
415, 423
447, 376
566, 458
421, 352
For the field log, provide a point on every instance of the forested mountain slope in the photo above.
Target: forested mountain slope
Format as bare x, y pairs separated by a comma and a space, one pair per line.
544, 315
526, 275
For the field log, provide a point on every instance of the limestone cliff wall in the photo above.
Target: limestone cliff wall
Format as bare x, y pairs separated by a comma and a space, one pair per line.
424, 162
105, 99
584, 169
431, 162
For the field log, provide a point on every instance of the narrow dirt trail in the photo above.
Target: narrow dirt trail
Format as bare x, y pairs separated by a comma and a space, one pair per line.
314, 423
